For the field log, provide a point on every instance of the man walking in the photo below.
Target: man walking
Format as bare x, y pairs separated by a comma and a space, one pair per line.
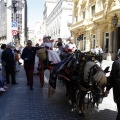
114, 82
28, 55
9, 63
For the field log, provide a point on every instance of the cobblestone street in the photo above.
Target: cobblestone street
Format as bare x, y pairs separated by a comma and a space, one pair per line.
19, 103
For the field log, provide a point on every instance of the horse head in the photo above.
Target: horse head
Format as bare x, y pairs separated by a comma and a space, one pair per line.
96, 79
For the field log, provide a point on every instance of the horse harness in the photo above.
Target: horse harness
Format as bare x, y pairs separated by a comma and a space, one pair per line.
95, 69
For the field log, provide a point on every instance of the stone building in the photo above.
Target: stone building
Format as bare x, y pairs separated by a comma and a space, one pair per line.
7, 16
93, 19
59, 19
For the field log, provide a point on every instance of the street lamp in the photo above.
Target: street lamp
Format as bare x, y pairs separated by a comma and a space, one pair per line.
115, 20
115, 43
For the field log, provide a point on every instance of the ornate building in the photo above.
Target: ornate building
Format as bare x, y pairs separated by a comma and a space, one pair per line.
94, 20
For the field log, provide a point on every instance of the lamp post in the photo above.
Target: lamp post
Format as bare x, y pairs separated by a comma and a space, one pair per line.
115, 22
15, 5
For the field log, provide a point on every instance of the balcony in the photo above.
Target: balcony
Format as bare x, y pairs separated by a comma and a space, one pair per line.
75, 1
98, 16
77, 25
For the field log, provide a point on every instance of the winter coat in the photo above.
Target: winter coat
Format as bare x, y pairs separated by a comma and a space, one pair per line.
114, 80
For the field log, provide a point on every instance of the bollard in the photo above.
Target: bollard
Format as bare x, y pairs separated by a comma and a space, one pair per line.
109, 57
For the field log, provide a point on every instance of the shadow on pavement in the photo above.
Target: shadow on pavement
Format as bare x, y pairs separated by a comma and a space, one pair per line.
105, 114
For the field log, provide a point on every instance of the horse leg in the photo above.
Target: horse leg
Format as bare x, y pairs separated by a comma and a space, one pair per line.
81, 104
73, 97
68, 88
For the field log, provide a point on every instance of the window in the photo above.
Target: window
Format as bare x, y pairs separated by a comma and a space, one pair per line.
107, 35
84, 42
83, 14
93, 41
92, 10
106, 41
76, 18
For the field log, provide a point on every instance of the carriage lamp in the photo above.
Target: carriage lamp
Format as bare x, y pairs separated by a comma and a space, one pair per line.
115, 20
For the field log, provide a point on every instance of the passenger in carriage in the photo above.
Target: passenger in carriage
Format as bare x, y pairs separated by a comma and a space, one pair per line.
47, 43
70, 47
53, 57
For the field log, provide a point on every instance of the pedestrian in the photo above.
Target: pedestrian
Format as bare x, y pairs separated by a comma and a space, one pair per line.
105, 49
118, 54
9, 62
92, 50
96, 50
3, 87
60, 46
100, 50
17, 68
3, 47
28, 55
114, 82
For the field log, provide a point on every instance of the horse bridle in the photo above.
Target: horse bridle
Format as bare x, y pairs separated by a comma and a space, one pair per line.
95, 69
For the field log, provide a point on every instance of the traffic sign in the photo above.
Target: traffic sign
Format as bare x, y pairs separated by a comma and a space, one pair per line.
14, 28
14, 24
14, 32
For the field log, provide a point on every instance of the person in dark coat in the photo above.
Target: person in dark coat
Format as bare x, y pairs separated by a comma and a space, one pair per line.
28, 55
9, 63
114, 82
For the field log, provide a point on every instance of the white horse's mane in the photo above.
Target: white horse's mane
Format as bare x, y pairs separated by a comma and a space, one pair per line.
99, 77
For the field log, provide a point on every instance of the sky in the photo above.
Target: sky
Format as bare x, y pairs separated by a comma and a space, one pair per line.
35, 11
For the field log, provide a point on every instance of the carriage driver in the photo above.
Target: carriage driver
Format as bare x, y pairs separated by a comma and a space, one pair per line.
70, 47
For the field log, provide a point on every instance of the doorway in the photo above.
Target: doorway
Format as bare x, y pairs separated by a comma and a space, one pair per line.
106, 41
118, 38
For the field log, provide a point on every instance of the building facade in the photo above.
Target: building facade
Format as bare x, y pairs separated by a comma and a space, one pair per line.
38, 33
48, 7
59, 19
93, 20
9, 15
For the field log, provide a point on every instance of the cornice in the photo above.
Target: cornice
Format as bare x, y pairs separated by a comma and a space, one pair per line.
75, 1
91, 2
83, 2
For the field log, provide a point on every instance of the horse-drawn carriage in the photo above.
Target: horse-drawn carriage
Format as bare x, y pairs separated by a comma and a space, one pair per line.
84, 79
